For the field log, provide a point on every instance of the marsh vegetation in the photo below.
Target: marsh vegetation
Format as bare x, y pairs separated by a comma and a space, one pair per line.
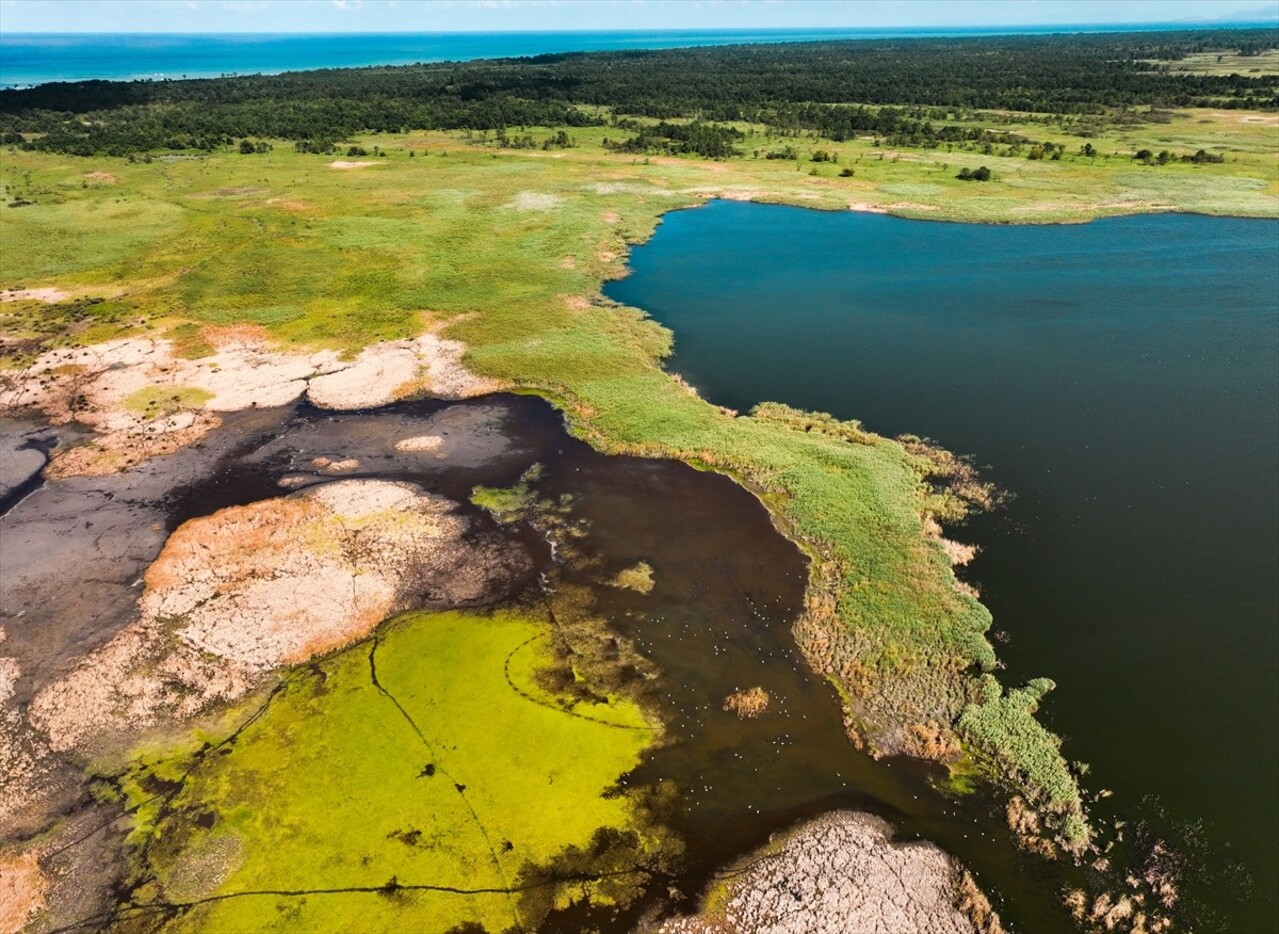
487, 205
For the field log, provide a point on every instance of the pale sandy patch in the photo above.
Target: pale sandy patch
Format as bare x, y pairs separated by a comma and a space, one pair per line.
419, 443
869, 207
568, 262
48, 294
535, 201
328, 465
1255, 119
123, 446
611, 217
220, 335
343, 164
578, 303
393, 370
253, 588
93, 386
622, 187
100, 177
840, 872
22, 889
287, 204
22, 755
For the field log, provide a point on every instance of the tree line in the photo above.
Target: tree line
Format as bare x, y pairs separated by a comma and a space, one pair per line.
897, 88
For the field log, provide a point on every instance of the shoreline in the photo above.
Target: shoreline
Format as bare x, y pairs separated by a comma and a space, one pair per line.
182, 541
611, 405
823, 591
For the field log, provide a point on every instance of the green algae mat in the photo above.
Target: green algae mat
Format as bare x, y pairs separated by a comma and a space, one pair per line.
419, 780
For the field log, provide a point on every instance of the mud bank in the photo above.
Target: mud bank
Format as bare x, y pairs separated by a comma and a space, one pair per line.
840, 872
141, 399
713, 617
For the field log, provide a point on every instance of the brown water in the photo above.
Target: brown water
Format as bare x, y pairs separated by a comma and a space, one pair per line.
728, 587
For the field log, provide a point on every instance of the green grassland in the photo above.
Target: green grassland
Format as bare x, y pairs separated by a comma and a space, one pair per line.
415, 782
1226, 63
507, 250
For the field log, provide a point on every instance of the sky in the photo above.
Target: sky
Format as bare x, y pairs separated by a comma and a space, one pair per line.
295, 16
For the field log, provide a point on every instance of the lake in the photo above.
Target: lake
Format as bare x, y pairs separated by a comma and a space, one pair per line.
1121, 380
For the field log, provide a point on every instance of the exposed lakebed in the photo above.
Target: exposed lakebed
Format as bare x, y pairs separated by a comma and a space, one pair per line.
1121, 379
726, 588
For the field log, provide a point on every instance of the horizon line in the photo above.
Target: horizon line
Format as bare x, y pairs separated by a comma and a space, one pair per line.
1010, 27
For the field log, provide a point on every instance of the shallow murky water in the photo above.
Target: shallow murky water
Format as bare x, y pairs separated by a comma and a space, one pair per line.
727, 588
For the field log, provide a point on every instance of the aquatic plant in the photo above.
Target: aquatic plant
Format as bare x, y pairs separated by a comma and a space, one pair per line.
402, 769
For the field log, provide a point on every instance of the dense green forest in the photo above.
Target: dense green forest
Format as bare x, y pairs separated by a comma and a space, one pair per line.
904, 88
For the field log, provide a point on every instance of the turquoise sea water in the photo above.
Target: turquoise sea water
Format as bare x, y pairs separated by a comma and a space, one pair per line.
1121, 379
29, 58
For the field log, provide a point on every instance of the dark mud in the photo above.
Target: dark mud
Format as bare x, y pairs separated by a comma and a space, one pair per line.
727, 588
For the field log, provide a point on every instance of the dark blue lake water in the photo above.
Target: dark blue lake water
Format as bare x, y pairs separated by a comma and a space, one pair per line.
1121, 378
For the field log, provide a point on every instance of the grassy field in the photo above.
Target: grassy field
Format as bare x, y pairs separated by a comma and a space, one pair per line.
416, 783
507, 250
1226, 63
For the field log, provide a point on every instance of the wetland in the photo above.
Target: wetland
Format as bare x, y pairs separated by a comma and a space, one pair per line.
1119, 379
694, 786
290, 639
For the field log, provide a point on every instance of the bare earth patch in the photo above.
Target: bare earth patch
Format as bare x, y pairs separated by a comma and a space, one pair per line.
343, 164
841, 872
95, 386
328, 465
733, 194
420, 443
22, 759
535, 201
100, 177
49, 295
253, 588
22, 890
1254, 119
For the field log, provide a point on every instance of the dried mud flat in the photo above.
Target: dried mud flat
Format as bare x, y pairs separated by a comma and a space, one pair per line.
840, 872
142, 400
109, 625
114, 623
253, 588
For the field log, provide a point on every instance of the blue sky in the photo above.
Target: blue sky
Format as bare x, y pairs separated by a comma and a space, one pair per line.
558, 15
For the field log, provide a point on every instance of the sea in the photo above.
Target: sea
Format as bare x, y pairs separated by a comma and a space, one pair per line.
28, 59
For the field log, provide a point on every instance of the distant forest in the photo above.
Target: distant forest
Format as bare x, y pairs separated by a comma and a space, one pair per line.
897, 87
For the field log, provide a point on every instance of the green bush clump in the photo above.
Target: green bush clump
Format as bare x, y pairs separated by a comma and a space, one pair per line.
1002, 725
